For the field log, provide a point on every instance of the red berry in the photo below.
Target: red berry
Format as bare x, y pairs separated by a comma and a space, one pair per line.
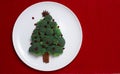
35, 41
43, 46
32, 17
38, 33
45, 34
36, 48
35, 24
58, 44
53, 34
45, 26
53, 49
47, 42
31, 43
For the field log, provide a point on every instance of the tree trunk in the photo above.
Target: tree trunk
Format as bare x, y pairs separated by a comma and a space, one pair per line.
46, 57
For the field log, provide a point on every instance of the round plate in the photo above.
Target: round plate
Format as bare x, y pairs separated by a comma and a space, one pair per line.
70, 28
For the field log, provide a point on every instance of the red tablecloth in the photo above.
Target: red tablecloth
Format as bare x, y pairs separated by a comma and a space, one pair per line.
100, 51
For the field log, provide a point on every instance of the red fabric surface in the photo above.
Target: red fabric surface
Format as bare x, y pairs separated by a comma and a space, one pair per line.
100, 51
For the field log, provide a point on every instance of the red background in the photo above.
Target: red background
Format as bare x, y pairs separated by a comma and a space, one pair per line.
100, 51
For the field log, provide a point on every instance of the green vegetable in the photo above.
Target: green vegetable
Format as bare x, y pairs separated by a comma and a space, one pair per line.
46, 38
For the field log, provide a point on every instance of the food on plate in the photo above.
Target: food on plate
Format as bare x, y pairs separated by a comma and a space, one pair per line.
47, 38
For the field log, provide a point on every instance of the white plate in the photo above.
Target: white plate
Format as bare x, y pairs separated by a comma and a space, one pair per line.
69, 25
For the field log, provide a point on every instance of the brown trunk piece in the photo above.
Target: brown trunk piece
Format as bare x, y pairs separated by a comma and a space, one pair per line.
46, 57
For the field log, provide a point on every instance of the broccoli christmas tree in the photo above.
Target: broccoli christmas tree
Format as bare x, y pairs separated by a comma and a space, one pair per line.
46, 38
